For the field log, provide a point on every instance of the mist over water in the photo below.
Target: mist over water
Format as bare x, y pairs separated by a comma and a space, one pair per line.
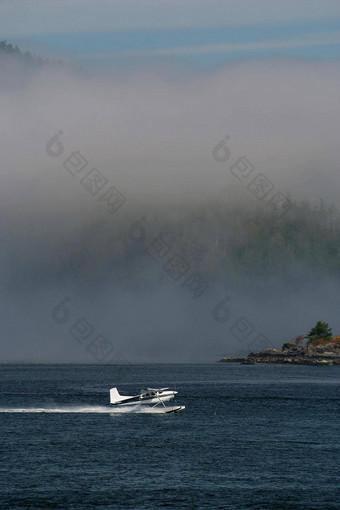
151, 137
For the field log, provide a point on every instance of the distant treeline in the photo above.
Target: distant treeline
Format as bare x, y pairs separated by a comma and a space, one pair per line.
26, 57
227, 243
257, 245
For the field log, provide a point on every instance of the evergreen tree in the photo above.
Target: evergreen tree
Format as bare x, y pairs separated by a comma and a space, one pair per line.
320, 330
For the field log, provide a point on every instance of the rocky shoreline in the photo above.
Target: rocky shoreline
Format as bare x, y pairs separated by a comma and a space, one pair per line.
325, 355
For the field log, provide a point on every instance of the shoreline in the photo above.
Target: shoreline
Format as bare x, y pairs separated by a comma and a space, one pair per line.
324, 355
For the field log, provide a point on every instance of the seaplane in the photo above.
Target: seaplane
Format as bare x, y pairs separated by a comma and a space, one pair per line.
149, 396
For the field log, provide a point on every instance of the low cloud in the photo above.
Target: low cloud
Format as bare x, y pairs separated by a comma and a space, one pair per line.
151, 135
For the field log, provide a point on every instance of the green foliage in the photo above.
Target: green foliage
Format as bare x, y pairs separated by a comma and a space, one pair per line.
226, 242
258, 245
288, 345
320, 331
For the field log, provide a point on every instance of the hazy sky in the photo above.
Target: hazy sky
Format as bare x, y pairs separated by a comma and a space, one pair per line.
166, 82
198, 32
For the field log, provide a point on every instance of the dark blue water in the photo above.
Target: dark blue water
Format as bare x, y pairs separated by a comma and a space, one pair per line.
257, 437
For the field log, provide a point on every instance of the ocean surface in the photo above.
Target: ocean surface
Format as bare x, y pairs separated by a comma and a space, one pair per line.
251, 437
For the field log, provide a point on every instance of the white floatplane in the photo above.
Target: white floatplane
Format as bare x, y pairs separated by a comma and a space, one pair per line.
149, 396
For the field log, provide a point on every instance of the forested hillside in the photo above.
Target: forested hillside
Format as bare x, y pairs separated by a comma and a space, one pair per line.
228, 243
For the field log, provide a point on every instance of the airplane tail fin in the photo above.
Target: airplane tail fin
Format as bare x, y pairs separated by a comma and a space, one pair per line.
114, 396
